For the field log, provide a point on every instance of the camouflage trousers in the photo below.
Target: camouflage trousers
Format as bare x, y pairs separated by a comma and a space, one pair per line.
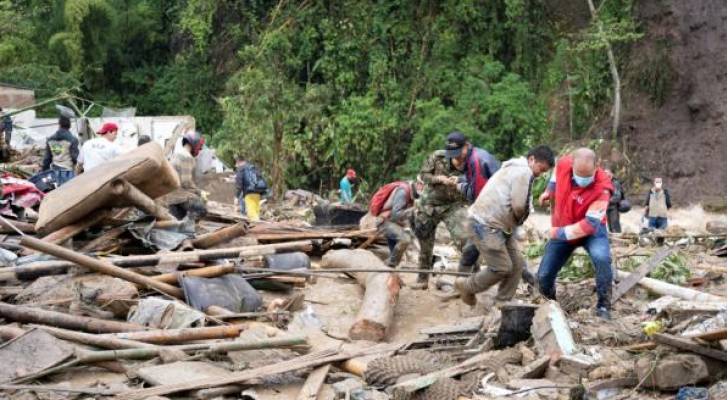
398, 240
425, 223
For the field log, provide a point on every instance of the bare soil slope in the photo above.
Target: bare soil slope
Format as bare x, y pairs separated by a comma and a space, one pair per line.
684, 138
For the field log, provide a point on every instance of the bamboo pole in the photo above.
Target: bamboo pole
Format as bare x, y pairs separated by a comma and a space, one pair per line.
205, 272
173, 336
101, 266
57, 319
111, 343
220, 236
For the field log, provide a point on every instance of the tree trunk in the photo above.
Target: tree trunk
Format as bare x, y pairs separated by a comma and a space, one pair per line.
380, 297
277, 173
617, 107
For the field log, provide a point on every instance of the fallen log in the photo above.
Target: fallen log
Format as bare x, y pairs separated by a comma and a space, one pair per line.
175, 336
306, 361
101, 266
61, 320
42, 268
665, 289
220, 236
380, 297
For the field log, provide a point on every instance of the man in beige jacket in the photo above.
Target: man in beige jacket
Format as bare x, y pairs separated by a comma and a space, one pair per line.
501, 207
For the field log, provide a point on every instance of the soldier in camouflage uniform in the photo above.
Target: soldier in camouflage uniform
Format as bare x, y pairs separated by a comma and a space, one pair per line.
440, 201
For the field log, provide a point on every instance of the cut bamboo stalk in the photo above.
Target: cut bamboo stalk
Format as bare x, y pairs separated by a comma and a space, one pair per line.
61, 320
205, 272
104, 342
220, 236
176, 336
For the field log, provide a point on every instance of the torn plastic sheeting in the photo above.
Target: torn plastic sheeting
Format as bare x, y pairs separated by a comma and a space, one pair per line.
161, 239
230, 291
7, 258
161, 313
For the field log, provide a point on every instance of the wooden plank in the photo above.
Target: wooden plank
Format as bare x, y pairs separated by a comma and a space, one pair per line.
314, 381
648, 266
710, 336
689, 345
307, 361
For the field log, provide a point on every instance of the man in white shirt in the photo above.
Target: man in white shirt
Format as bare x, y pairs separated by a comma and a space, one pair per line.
99, 150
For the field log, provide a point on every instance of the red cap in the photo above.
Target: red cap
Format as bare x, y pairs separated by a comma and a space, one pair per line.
108, 127
350, 173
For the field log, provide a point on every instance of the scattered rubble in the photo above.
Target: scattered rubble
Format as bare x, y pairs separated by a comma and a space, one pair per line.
105, 294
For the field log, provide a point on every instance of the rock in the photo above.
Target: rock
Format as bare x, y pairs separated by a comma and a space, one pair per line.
672, 372
718, 391
717, 227
551, 332
347, 386
535, 369
369, 395
576, 364
520, 384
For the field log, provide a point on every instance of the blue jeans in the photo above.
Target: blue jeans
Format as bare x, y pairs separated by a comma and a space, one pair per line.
657, 222
558, 252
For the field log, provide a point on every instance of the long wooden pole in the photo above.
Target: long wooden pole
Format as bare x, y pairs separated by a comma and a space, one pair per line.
97, 265
41, 268
205, 272
223, 235
57, 319
104, 342
174, 336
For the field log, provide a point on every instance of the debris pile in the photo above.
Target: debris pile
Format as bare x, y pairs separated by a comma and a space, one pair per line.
106, 294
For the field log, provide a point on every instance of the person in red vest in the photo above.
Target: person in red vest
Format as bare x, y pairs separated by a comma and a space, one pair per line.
392, 204
580, 191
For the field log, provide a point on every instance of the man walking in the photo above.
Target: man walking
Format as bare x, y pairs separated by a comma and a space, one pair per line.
501, 207
249, 187
657, 203
392, 204
61, 152
98, 151
581, 193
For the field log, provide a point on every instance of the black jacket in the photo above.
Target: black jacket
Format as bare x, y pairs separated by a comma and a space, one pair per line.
64, 150
248, 180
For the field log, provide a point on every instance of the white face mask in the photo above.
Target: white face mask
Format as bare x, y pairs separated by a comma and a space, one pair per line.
658, 185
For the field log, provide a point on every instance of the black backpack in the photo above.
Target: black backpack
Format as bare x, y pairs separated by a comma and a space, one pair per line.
256, 182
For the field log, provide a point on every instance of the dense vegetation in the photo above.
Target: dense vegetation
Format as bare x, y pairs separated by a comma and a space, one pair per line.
309, 88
